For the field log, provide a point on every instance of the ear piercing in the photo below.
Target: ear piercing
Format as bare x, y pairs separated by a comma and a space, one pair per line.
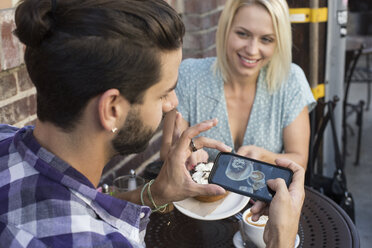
114, 130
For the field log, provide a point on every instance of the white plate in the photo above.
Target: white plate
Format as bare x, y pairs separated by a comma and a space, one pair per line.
232, 204
238, 241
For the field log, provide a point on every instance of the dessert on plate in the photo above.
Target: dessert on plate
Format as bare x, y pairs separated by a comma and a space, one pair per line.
200, 175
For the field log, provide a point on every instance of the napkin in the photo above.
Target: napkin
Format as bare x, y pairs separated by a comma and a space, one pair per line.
198, 207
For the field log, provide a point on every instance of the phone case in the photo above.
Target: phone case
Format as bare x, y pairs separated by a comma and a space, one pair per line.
247, 176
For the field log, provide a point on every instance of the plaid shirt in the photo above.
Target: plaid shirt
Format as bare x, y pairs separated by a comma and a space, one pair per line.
44, 202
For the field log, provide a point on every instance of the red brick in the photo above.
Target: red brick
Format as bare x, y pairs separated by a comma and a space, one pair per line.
192, 54
199, 41
209, 53
221, 2
31, 123
200, 6
32, 104
24, 80
18, 110
8, 86
209, 39
195, 22
192, 42
10, 44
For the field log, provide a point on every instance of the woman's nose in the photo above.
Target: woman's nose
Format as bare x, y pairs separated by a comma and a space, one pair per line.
252, 47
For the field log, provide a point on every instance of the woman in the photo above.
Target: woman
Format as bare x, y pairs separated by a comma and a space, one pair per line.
261, 100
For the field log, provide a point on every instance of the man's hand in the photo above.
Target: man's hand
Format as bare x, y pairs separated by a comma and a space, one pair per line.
174, 182
285, 209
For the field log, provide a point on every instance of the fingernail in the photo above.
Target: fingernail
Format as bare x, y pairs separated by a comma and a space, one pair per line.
228, 148
222, 191
255, 217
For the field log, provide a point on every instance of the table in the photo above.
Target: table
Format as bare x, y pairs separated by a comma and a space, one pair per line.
323, 224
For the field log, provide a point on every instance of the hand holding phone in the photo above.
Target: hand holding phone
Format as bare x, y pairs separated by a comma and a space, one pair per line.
246, 176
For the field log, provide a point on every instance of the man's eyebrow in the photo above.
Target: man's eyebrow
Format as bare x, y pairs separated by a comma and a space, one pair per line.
173, 87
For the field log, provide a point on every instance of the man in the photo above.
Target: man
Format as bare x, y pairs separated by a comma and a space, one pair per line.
105, 73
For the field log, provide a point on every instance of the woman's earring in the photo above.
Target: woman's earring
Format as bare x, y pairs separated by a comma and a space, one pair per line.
114, 129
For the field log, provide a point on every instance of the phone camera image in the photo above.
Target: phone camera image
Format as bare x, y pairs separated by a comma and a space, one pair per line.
247, 176
257, 180
239, 169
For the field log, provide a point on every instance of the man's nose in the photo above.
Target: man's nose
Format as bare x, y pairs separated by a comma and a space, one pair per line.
171, 103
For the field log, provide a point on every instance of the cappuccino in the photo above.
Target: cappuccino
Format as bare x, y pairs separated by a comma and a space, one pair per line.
257, 180
260, 223
254, 230
257, 176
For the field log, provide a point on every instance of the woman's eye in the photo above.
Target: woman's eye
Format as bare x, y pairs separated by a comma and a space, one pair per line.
241, 34
267, 40
164, 97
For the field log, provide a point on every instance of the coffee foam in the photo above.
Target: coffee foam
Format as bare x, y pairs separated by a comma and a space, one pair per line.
260, 223
202, 172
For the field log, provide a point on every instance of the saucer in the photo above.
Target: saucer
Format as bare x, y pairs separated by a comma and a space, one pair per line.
232, 204
238, 241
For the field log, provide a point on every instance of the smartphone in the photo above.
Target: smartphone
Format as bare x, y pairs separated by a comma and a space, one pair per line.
246, 176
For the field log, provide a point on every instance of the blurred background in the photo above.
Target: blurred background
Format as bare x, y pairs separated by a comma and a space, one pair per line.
332, 42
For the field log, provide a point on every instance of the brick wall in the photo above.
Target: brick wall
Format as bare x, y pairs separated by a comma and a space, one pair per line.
201, 18
18, 96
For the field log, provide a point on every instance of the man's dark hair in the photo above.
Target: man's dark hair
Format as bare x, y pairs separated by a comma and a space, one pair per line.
78, 49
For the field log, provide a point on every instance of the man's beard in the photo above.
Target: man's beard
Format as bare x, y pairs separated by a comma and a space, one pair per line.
133, 137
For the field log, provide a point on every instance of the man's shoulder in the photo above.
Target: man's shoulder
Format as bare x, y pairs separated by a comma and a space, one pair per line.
14, 236
7, 131
46, 212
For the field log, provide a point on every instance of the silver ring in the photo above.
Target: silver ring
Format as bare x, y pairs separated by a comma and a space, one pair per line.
192, 146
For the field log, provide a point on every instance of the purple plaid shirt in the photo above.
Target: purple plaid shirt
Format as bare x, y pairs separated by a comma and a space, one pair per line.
44, 202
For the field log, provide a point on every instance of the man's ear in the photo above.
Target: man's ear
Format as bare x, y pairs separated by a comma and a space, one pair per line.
112, 109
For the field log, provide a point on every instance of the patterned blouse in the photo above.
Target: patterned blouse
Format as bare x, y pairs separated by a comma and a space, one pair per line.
201, 97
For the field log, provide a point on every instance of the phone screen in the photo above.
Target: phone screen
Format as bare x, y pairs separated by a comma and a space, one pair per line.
246, 176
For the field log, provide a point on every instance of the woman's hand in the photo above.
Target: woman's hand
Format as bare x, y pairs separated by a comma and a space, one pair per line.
174, 182
257, 153
285, 209
200, 156
262, 154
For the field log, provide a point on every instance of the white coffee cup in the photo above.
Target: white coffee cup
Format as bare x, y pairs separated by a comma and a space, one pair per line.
254, 230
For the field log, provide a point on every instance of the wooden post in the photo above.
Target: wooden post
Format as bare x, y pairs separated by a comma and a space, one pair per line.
314, 48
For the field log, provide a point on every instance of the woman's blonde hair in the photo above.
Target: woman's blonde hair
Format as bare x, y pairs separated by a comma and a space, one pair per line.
279, 65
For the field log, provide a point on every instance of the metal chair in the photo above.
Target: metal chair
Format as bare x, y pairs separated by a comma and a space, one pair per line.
349, 108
